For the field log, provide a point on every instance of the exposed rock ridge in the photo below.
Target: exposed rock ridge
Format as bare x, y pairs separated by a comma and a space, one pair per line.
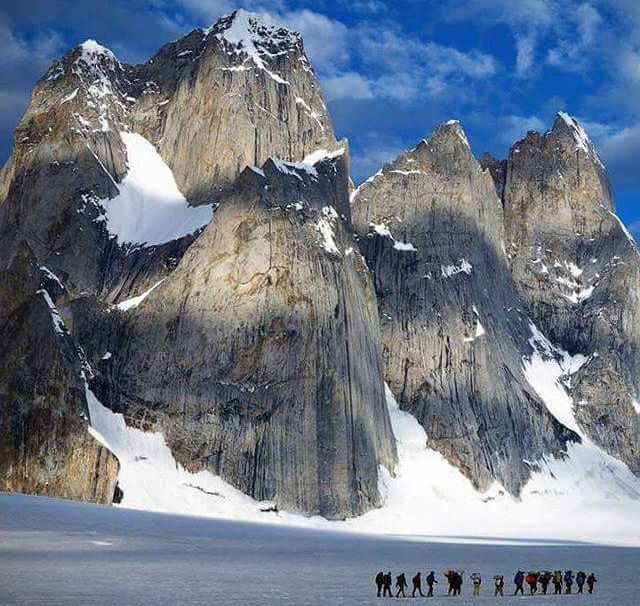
578, 272
45, 444
453, 326
259, 356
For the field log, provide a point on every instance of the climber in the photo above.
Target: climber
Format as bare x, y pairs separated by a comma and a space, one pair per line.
591, 581
498, 583
581, 577
457, 576
568, 580
519, 580
401, 583
380, 582
449, 575
417, 585
544, 579
477, 583
386, 585
431, 580
532, 580
557, 582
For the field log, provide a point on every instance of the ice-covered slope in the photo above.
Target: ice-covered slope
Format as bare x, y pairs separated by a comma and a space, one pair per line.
587, 496
149, 208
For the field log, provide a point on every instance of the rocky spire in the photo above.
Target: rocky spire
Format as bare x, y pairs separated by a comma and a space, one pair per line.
578, 273
431, 229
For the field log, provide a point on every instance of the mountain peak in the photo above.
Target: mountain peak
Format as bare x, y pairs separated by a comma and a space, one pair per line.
259, 35
92, 53
564, 123
450, 129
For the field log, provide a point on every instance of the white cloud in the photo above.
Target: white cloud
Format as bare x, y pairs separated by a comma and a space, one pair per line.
40, 51
349, 85
395, 51
23, 62
368, 157
525, 53
326, 40
513, 128
619, 148
573, 48
620, 151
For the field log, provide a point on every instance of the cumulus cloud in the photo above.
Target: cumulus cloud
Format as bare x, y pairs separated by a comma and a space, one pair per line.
349, 85
620, 151
404, 68
371, 153
326, 40
525, 52
572, 50
513, 128
569, 27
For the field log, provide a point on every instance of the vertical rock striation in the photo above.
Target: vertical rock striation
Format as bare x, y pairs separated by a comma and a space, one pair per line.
45, 444
454, 333
578, 271
259, 356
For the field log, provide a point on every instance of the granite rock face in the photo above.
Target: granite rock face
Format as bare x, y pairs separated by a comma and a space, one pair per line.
578, 272
211, 103
45, 444
207, 105
228, 97
260, 355
261, 350
453, 327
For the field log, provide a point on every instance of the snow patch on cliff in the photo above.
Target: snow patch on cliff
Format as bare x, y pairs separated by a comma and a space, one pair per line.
150, 209
382, 229
325, 228
463, 266
151, 479
58, 324
133, 302
582, 140
546, 370
588, 496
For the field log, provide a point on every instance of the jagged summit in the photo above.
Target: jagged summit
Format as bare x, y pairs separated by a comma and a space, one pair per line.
564, 123
92, 52
254, 36
246, 29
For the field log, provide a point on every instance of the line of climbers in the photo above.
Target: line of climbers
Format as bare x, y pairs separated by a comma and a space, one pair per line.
544, 578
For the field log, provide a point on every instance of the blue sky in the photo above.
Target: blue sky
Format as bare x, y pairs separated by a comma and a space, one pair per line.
392, 70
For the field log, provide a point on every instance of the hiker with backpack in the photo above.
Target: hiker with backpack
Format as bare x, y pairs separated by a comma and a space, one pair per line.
557, 582
568, 580
386, 585
498, 584
519, 581
532, 580
449, 575
476, 579
544, 578
431, 580
581, 577
401, 583
457, 577
417, 585
379, 582
591, 581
